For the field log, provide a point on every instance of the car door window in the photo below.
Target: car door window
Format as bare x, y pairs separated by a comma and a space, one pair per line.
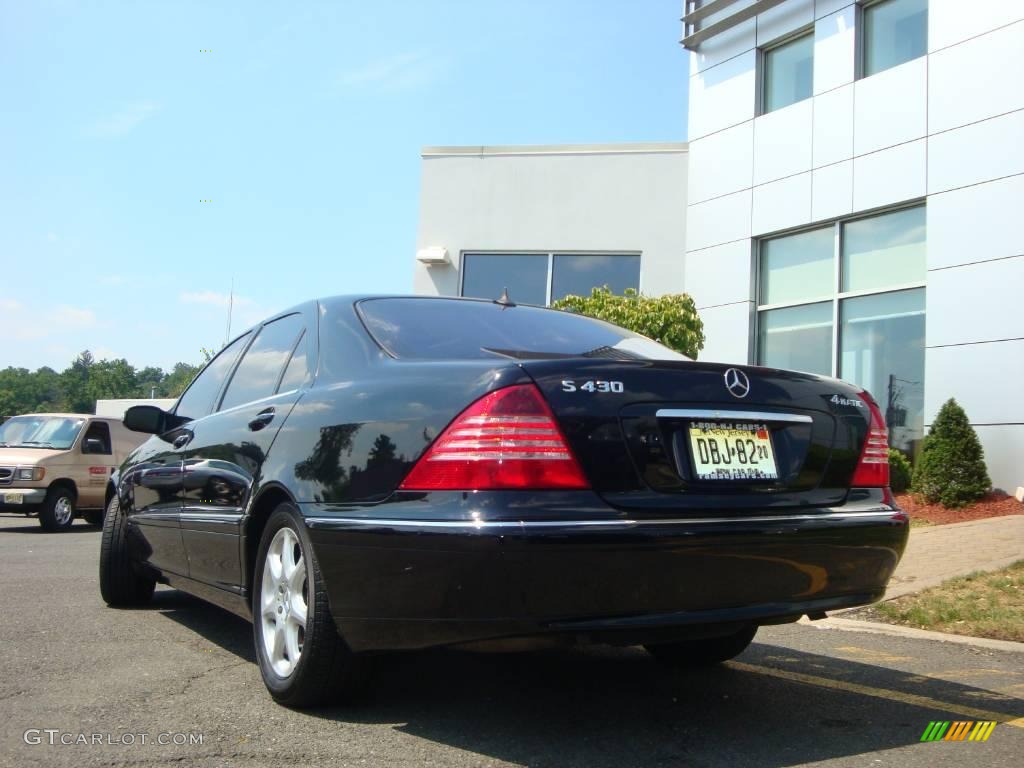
98, 430
295, 373
198, 398
260, 370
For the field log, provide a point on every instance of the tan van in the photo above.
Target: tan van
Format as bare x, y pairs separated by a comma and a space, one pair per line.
57, 465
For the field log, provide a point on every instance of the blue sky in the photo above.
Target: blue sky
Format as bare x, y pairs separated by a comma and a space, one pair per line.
302, 126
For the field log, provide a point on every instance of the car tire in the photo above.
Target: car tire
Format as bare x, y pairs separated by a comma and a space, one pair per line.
703, 652
121, 586
93, 517
58, 510
303, 665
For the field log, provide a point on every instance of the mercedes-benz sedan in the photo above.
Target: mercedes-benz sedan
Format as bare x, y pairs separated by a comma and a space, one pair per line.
365, 474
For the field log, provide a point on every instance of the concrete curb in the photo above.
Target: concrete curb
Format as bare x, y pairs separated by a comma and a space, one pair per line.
878, 628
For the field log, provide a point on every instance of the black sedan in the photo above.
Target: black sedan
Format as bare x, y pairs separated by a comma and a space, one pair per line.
366, 474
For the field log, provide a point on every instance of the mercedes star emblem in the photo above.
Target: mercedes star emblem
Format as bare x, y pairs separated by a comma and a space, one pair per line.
737, 383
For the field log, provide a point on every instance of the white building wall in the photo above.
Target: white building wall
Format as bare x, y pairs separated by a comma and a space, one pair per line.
947, 128
619, 198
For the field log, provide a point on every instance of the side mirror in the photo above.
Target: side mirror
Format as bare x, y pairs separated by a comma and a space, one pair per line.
93, 445
146, 418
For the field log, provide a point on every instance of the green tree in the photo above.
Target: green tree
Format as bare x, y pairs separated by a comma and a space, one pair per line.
671, 319
179, 378
951, 468
74, 384
110, 379
149, 380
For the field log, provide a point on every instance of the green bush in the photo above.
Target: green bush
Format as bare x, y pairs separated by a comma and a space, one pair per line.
899, 471
951, 467
671, 320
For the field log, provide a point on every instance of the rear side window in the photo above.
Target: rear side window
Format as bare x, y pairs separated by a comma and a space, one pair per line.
198, 398
457, 329
257, 375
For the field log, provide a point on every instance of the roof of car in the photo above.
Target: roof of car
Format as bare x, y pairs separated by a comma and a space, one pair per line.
69, 415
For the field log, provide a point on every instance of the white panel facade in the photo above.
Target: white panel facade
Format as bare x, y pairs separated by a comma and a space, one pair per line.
891, 107
726, 329
834, 50
833, 127
890, 176
958, 367
832, 191
976, 303
717, 221
958, 96
719, 275
976, 223
782, 204
782, 142
720, 163
975, 153
945, 129
953, 21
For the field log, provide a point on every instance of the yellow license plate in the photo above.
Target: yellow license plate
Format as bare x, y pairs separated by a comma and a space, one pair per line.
732, 451
14, 498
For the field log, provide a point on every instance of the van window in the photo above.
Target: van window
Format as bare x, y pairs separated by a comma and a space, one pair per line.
98, 430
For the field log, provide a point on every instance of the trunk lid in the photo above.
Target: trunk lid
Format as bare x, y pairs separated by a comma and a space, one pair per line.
669, 438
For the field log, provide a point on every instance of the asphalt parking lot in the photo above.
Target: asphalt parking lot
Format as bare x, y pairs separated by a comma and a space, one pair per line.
182, 671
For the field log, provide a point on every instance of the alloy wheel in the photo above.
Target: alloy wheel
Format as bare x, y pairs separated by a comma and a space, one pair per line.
284, 597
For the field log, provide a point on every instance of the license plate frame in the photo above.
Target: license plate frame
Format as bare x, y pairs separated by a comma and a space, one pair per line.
14, 498
706, 461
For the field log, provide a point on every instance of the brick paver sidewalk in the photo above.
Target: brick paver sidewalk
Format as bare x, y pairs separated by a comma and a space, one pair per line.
941, 552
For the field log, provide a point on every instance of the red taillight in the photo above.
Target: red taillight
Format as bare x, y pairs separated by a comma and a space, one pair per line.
506, 439
873, 468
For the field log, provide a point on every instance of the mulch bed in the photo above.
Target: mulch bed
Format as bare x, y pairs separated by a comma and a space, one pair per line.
996, 504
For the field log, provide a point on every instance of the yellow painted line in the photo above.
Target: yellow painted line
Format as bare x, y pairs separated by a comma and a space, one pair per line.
913, 699
854, 650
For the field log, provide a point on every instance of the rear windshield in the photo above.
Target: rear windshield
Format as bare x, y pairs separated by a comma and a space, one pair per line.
459, 329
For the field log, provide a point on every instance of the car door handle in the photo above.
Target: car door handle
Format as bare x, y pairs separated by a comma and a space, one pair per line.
263, 418
182, 440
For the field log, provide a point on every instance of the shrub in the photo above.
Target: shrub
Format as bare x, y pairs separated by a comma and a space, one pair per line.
671, 320
951, 467
899, 471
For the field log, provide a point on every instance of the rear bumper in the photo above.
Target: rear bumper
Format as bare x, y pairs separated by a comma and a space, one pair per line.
404, 583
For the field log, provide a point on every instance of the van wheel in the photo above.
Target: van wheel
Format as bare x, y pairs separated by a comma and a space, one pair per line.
303, 660
93, 516
704, 651
120, 585
58, 510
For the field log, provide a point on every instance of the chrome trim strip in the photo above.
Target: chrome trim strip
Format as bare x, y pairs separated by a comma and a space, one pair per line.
711, 413
526, 524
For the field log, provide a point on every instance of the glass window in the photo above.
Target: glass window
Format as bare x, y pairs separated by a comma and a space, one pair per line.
40, 432
197, 401
798, 267
895, 31
257, 375
421, 329
797, 338
882, 350
788, 73
295, 373
485, 276
886, 250
98, 430
579, 275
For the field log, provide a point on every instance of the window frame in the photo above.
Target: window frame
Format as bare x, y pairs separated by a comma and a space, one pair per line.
761, 68
838, 296
219, 394
550, 265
